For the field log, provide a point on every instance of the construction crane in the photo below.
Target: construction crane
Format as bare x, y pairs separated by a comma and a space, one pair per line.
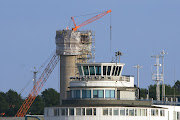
89, 20
38, 86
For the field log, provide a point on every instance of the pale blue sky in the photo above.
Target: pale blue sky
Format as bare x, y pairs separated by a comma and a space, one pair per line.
140, 28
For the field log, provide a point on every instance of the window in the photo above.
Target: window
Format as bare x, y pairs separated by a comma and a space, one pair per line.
122, 112
78, 111
152, 112
80, 70
110, 111
115, 111
131, 112
113, 70
110, 93
92, 71
86, 93
138, 112
56, 112
98, 70
119, 71
94, 111
143, 112
157, 112
104, 70
117, 67
75, 93
162, 113
109, 70
83, 111
88, 111
71, 111
98, 93
105, 111
85, 68
63, 111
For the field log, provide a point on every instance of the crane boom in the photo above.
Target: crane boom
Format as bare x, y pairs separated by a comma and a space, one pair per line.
89, 20
38, 86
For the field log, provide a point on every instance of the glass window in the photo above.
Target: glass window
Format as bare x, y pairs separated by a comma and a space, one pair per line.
110, 93
131, 112
122, 112
117, 67
92, 71
80, 70
66, 109
71, 111
63, 111
83, 111
119, 71
138, 112
105, 111
109, 70
85, 68
98, 93
113, 70
110, 111
98, 70
56, 112
178, 115
75, 93
115, 111
78, 111
162, 113
152, 112
86, 93
104, 70
143, 112
157, 112
88, 111
94, 111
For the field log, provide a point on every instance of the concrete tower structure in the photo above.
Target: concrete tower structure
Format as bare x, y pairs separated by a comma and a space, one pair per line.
72, 47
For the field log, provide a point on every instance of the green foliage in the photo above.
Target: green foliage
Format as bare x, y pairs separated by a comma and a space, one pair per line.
50, 97
143, 92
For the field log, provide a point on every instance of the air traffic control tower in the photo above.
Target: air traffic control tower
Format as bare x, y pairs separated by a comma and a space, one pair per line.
72, 47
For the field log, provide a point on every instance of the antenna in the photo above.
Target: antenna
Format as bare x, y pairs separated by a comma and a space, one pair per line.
118, 53
137, 66
163, 86
157, 77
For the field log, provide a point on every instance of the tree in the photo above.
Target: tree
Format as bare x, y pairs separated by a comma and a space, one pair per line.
143, 92
3, 103
177, 87
14, 101
37, 107
50, 97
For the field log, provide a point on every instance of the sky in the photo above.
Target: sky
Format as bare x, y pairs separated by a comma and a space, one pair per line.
140, 29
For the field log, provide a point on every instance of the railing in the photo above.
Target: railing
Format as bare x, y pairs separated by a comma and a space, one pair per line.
101, 78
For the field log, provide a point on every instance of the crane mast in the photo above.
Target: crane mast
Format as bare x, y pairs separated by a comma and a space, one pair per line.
39, 84
89, 20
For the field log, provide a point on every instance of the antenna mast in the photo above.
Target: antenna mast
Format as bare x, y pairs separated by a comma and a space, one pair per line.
163, 86
34, 79
157, 77
138, 66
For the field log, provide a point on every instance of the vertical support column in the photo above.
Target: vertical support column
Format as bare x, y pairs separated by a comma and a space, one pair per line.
67, 70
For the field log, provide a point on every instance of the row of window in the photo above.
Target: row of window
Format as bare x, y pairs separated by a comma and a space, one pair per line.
96, 94
96, 70
107, 112
74, 111
125, 111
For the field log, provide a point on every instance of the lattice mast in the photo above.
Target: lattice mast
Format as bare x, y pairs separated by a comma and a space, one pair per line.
157, 77
38, 86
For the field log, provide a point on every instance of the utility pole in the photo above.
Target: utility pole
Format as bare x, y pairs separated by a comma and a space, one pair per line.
163, 86
118, 53
34, 79
157, 77
138, 66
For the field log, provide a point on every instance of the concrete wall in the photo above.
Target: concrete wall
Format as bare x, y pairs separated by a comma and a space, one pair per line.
12, 118
67, 70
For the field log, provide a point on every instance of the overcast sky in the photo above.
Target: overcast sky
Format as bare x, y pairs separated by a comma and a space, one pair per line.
140, 29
